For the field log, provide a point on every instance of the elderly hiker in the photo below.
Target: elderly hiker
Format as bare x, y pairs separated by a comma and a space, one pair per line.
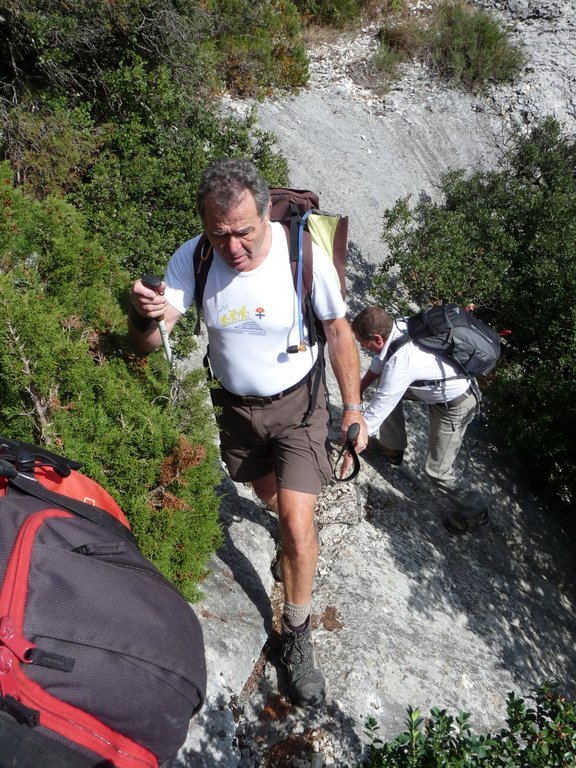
417, 374
251, 310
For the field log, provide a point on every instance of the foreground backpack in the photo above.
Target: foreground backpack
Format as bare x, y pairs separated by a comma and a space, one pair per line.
304, 223
101, 659
455, 334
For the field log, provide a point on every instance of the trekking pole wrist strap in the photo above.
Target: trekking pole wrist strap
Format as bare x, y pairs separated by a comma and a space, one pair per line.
353, 432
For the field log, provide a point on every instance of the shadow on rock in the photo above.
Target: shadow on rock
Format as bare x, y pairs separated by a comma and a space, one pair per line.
512, 579
360, 276
213, 749
235, 509
288, 732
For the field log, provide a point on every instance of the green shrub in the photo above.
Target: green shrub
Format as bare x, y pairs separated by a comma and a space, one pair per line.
50, 143
110, 105
539, 736
260, 46
67, 46
116, 114
71, 48
140, 195
70, 382
466, 46
469, 47
339, 13
399, 42
505, 242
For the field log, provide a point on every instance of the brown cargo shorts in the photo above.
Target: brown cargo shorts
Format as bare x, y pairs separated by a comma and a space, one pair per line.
262, 435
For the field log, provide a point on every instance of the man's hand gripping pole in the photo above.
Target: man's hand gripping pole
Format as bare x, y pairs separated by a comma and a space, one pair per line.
154, 282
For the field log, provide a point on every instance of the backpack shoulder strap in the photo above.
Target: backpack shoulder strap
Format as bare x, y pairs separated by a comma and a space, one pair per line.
292, 235
396, 344
201, 261
307, 283
32, 487
307, 269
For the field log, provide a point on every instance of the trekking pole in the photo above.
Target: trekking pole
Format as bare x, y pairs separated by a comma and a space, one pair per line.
153, 282
351, 435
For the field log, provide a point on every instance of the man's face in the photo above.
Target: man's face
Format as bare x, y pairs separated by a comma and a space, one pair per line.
240, 236
374, 344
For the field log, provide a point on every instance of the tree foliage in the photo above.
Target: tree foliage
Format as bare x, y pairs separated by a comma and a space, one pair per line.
70, 46
107, 119
505, 242
69, 381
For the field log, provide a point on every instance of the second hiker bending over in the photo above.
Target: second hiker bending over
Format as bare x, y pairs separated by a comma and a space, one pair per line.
412, 373
251, 310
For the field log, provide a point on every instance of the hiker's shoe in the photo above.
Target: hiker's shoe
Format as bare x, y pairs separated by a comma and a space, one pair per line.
392, 456
457, 523
307, 684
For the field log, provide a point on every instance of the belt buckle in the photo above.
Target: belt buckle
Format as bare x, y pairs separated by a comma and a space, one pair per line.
253, 400
258, 400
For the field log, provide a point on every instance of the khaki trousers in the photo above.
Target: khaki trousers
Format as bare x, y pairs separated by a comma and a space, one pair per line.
448, 424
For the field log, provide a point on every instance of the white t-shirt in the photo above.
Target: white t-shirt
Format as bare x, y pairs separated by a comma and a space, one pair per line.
254, 316
410, 363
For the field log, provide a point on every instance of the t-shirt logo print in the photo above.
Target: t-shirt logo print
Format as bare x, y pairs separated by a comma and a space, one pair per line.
239, 320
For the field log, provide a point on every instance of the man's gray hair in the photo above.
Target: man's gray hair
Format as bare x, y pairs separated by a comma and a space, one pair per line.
224, 183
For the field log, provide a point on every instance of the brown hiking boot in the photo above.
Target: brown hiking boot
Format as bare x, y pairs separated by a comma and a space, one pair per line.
307, 684
392, 456
457, 523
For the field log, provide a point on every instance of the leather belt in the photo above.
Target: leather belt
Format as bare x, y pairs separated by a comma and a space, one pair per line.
255, 400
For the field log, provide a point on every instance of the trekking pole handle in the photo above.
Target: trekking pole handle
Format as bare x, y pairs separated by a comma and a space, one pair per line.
154, 282
351, 435
353, 432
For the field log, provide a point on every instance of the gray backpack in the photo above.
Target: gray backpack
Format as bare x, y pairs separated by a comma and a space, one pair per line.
455, 334
101, 658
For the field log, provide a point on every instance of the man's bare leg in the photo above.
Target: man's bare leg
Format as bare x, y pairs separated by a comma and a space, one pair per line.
295, 512
299, 559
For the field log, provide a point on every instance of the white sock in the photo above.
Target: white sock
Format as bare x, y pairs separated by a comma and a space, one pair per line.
295, 615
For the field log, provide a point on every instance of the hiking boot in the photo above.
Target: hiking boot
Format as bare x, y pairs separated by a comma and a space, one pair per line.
391, 455
307, 684
457, 523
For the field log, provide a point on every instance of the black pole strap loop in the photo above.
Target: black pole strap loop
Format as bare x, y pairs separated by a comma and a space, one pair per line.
351, 435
